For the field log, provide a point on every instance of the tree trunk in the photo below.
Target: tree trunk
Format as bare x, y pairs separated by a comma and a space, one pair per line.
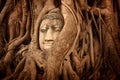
87, 47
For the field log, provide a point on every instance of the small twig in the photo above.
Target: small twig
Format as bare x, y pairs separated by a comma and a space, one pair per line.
92, 56
94, 21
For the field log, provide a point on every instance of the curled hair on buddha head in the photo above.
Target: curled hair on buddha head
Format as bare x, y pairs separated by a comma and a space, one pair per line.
54, 14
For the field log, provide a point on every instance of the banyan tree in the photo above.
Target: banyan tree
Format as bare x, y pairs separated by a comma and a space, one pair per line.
87, 48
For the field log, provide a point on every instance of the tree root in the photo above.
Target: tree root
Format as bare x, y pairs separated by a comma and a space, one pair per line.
13, 22
32, 61
19, 68
69, 73
77, 62
4, 10
11, 48
26, 72
24, 18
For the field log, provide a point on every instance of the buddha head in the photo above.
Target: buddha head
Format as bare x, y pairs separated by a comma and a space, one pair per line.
50, 27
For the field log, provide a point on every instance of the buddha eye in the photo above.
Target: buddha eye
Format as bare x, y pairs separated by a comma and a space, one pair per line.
43, 30
56, 28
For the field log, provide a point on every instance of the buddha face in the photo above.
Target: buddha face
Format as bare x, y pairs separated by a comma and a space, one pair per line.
48, 32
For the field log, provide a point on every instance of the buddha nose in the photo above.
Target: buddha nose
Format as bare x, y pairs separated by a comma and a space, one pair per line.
49, 35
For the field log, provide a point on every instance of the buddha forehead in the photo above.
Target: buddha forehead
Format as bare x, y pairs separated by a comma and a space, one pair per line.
53, 16
51, 22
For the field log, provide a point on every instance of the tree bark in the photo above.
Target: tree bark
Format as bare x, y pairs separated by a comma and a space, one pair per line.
90, 37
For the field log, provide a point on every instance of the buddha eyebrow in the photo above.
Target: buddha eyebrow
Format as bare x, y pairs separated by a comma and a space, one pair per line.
45, 27
56, 28
53, 27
